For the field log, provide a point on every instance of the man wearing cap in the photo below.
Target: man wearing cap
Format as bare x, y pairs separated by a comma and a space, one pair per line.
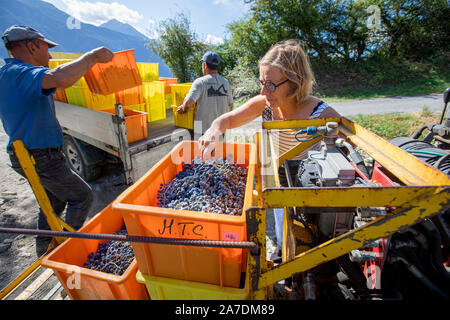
27, 112
212, 93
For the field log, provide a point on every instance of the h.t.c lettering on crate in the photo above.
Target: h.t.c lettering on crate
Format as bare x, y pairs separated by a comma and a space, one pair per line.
187, 228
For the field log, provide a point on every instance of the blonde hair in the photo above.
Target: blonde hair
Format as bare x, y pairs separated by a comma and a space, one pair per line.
289, 57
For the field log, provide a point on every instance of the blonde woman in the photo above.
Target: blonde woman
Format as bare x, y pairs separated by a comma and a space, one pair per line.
286, 82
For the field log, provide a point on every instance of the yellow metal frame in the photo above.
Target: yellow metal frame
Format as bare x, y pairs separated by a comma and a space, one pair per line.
27, 163
424, 192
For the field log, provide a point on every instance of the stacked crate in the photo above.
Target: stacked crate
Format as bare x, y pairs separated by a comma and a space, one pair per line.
188, 272
135, 85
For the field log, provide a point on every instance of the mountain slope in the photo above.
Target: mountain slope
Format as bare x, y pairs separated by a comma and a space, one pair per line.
53, 24
124, 28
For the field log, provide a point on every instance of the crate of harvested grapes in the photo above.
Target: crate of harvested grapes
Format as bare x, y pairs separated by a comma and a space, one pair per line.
94, 269
186, 197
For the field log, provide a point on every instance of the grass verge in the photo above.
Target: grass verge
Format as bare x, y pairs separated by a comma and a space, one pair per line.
393, 125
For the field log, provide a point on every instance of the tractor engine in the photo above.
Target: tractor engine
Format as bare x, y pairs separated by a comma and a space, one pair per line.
327, 168
337, 164
405, 265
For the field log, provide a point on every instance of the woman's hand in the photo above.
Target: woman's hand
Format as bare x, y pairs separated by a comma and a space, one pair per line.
249, 111
208, 141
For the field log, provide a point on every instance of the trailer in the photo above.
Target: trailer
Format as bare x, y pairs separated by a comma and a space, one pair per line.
91, 136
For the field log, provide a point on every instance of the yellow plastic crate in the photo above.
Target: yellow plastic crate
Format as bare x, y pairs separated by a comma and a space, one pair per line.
81, 83
154, 98
65, 55
138, 107
160, 288
168, 98
76, 95
184, 120
179, 92
53, 63
80, 95
99, 101
148, 71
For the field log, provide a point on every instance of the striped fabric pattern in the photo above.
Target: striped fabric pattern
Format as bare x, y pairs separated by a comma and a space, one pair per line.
285, 140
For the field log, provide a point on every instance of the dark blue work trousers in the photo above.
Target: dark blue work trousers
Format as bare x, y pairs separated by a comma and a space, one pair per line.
63, 187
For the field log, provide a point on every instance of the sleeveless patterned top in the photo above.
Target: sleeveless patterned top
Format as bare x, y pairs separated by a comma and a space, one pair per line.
285, 140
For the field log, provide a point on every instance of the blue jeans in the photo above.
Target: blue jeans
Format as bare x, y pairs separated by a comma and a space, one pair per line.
62, 185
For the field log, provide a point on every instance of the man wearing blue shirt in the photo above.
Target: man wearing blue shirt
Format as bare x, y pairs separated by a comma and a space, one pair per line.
27, 112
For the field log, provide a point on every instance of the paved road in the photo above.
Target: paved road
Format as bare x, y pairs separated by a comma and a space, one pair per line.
389, 105
367, 106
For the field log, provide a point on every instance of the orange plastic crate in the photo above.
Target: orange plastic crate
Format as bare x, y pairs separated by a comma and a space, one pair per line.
85, 284
60, 95
119, 74
130, 97
138, 204
135, 123
167, 83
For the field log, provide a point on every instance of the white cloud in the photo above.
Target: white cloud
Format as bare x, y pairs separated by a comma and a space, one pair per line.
229, 3
221, 2
213, 39
99, 12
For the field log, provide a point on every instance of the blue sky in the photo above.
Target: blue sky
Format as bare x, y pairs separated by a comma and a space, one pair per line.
208, 17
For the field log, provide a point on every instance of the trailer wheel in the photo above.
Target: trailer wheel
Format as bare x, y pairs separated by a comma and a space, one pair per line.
77, 162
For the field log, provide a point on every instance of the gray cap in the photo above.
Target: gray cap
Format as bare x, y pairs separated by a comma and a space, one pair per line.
16, 33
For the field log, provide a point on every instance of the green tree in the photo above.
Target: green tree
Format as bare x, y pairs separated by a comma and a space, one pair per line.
332, 30
177, 46
327, 29
182, 51
415, 29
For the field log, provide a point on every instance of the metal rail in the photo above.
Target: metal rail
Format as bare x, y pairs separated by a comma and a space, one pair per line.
131, 238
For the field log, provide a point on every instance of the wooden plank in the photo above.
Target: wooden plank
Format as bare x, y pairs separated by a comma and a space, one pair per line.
35, 285
52, 291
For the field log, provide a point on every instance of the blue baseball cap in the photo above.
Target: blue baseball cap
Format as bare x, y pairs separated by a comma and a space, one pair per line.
212, 58
17, 33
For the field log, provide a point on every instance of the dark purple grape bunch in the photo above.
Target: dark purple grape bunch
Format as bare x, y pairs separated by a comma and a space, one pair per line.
213, 185
112, 256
